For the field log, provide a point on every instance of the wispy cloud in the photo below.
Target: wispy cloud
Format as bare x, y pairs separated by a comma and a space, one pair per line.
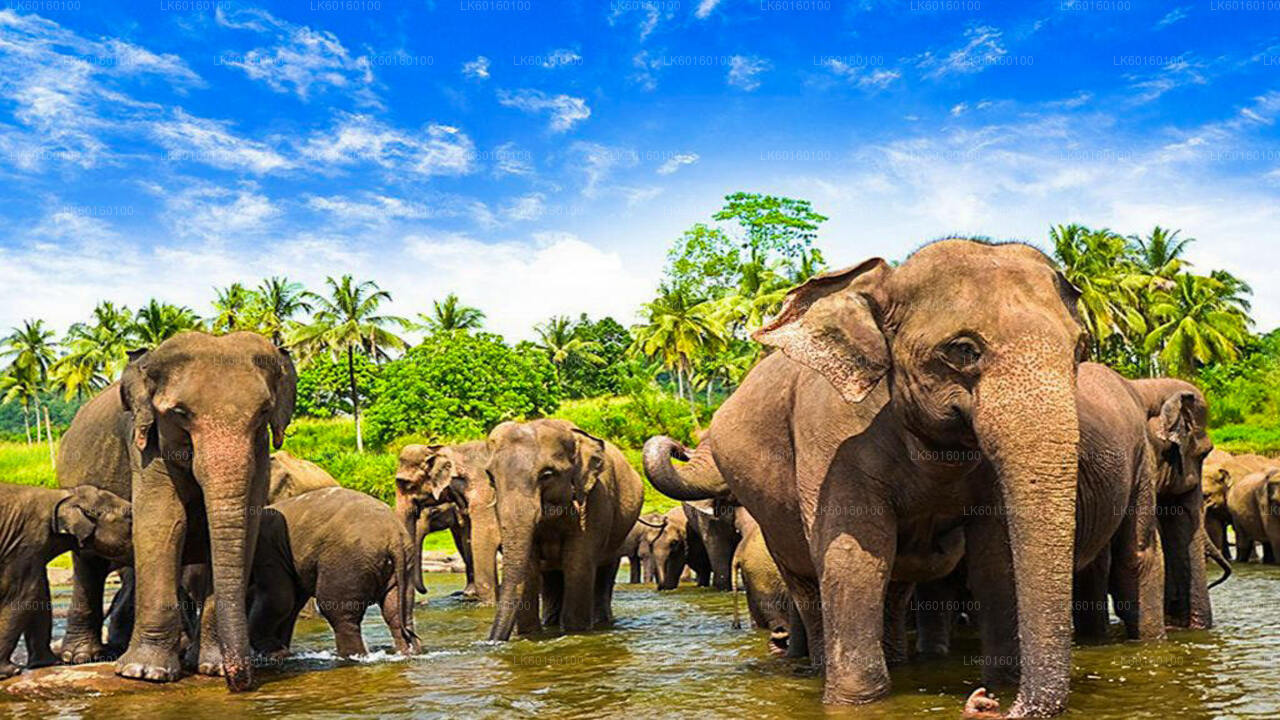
361, 139
674, 162
1169, 74
565, 111
477, 69
982, 48
861, 75
743, 71
704, 8
190, 139
1173, 16
561, 57
302, 59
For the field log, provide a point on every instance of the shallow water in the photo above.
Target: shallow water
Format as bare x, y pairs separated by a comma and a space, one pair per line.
676, 654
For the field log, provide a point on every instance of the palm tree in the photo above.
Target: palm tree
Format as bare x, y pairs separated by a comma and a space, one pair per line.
1198, 324
156, 322
558, 336
347, 322
1160, 253
1233, 290
233, 305
31, 349
22, 386
679, 330
97, 351
451, 314
278, 301
1094, 261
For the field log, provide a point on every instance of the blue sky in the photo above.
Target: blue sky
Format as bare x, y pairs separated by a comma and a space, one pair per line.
538, 158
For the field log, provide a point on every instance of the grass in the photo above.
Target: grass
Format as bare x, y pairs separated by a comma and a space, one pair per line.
1260, 437
23, 464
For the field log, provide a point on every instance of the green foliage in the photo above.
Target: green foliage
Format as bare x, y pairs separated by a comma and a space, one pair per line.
630, 420
608, 342
324, 388
329, 443
457, 385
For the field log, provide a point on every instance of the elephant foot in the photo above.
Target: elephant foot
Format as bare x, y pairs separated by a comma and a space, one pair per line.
44, 659
210, 662
150, 663
778, 641
8, 670
81, 650
469, 592
981, 706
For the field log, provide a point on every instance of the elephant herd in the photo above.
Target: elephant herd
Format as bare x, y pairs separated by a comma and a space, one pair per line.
919, 433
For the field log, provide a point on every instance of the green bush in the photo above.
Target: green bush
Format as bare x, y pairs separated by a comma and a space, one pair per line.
324, 386
629, 421
457, 385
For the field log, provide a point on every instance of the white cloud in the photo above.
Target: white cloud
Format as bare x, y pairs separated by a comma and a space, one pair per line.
597, 162
646, 74
210, 142
743, 71
561, 57
369, 208
525, 208
959, 109
301, 59
704, 8
870, 78
565, 111
674, 162
1179, 72
361, 139
509, 159
982, 48
208, 212
1173, 16
477, 69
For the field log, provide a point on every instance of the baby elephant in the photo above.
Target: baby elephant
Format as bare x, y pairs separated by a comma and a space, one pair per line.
342, 547
36, 525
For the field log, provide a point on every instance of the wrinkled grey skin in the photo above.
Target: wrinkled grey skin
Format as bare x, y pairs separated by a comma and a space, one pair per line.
448, 484
1254, 503
566, 501
345, 549
768, 602
185, 434
668, 548
292, 476
712, 537
36, 525
636, 548
900, 408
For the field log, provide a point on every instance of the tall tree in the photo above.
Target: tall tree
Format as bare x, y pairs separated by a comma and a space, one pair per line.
451, 314
1095, 262
233, 309
1159, 254
559, 339
346, 323
157, 321
32, 351
278, 302
679, 330
96, 350
1198, 325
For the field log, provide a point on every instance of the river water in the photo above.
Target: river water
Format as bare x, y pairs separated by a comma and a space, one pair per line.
676, 655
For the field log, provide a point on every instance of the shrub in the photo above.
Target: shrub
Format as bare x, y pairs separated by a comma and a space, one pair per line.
629, 421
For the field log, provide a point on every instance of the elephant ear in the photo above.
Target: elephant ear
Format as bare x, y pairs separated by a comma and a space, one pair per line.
70, 518
829, 324
136, 390
591, 462
286, 394
1176, 423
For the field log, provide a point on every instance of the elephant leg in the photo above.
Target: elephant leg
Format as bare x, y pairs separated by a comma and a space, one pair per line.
210, 658
120, 614
39, 631
806, 618
936, 602
159, 532
399, 622
527, 620
1268, 553
606, 576
720, 547
13, 623
1271, 524
345, 618
82, 642
462, 540
990, 566
1138, 565
579, 592
484, 541
271, 606
1089, 599
633, 564
897, 600
552, 597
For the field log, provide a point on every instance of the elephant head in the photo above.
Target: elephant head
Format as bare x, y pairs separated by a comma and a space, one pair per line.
100, 521
209, 408
427, 476
542, 472
667, 546
1216, 483
979, 344
1181, 439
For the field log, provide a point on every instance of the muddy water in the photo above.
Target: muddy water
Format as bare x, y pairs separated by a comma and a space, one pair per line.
675, 654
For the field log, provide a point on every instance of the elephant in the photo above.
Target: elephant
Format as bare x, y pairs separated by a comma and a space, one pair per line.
185, 434
907, 401
636, 547
566, 500
1254, 503
449, 482
768, 602
36, 525
1221, 470
344, 548
712, 535
292, 476
667, 549
1177, 421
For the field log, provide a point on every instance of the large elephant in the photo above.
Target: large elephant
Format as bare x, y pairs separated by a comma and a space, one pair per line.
186, 434
292, 476
566, 501
1178, 427
1221, 471
345, 549
712, 534
1254, 503
36, 525
974, 424
449, 483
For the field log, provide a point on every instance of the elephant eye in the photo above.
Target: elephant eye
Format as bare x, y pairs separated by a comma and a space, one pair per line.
546, 473
962, 353
180, 411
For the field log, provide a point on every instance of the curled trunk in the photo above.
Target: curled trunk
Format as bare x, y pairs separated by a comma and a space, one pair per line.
699, 479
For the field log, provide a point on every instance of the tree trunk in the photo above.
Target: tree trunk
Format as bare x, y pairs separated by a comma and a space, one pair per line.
680, 380
39, 433
48, 433
26, 424
355, 396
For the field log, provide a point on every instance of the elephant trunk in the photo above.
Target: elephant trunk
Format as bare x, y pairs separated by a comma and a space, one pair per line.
409, 513
518, 520
226, 471
1026, 423
697, 480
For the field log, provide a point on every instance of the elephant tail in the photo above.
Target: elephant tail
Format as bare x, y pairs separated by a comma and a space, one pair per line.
698, 479
733, 588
